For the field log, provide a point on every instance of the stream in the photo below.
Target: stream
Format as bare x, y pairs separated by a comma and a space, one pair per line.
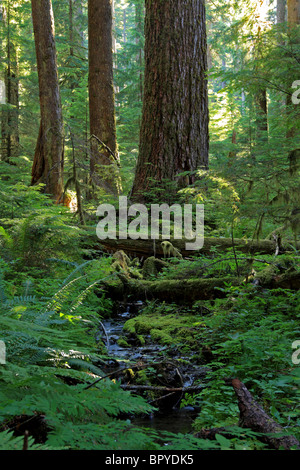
175, 419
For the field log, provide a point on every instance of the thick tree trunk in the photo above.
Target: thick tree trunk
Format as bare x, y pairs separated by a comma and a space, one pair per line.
174, 130
293, 15
139, 23
281, 11
293, 18
10, 110
103, 162
48, 159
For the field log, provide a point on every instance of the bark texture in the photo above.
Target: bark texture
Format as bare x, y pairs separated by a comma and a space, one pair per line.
293, 18
146, 248
281, 10
101, 97
48, 159
10, 110
253, 416
174, 128
293, 7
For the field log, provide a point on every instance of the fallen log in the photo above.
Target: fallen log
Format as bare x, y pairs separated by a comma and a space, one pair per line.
185, 291
253, 416
146, 248
180, 291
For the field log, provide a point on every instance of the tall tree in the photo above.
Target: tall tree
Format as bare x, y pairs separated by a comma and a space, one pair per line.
174, 129
281, 9
293, 18
101, 97
10, 111
49, 153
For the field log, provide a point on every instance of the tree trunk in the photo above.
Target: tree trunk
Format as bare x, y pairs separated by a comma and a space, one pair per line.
293, 17
10, 110
48, 159
139, 23
174, 129
293, 14
281, 10
253, 416
104, 173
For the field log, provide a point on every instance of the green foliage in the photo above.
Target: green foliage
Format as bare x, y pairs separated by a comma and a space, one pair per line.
250, 334
50, 355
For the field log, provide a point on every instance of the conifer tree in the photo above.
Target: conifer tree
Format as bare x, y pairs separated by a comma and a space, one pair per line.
174, 128
49, 153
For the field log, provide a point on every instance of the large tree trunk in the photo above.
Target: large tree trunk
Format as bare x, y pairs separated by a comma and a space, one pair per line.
281, 9
48, 159
293, 12
104, 159
293, 17
10, 110
174, 129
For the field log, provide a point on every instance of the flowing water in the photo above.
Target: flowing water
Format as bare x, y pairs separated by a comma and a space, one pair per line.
176, 419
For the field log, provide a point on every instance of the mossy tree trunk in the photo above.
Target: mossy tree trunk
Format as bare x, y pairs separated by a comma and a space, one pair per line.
174, 129
103, 168
49, 153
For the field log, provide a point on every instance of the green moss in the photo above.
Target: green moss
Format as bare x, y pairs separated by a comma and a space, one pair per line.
159, 336
123, 343
163, 329
267, 275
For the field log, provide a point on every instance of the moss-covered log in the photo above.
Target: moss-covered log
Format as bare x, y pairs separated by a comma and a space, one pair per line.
180, 291
189, 290
145, 248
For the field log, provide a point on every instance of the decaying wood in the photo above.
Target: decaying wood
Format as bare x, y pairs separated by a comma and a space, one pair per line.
253, 416
185, 290
145, 248
181, 291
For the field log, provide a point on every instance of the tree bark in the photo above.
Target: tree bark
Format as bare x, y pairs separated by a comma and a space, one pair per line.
281, 11
10, 110
174, 129
146, 248
293, 18
49, 153
103, 161
252, 416
293, 7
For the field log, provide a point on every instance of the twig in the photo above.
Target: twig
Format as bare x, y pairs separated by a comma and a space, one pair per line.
106, 148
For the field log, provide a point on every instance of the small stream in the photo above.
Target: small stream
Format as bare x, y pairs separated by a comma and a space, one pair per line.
174, 419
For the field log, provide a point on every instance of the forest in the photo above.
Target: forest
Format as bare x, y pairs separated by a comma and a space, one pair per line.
149, 225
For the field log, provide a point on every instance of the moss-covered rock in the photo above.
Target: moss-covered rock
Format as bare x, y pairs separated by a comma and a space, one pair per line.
169, 329
152, 266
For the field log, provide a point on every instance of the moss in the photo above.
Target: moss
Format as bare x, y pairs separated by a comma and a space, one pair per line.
141, 340
163, 329
266, 276
123, 343
159, 336
152, 266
